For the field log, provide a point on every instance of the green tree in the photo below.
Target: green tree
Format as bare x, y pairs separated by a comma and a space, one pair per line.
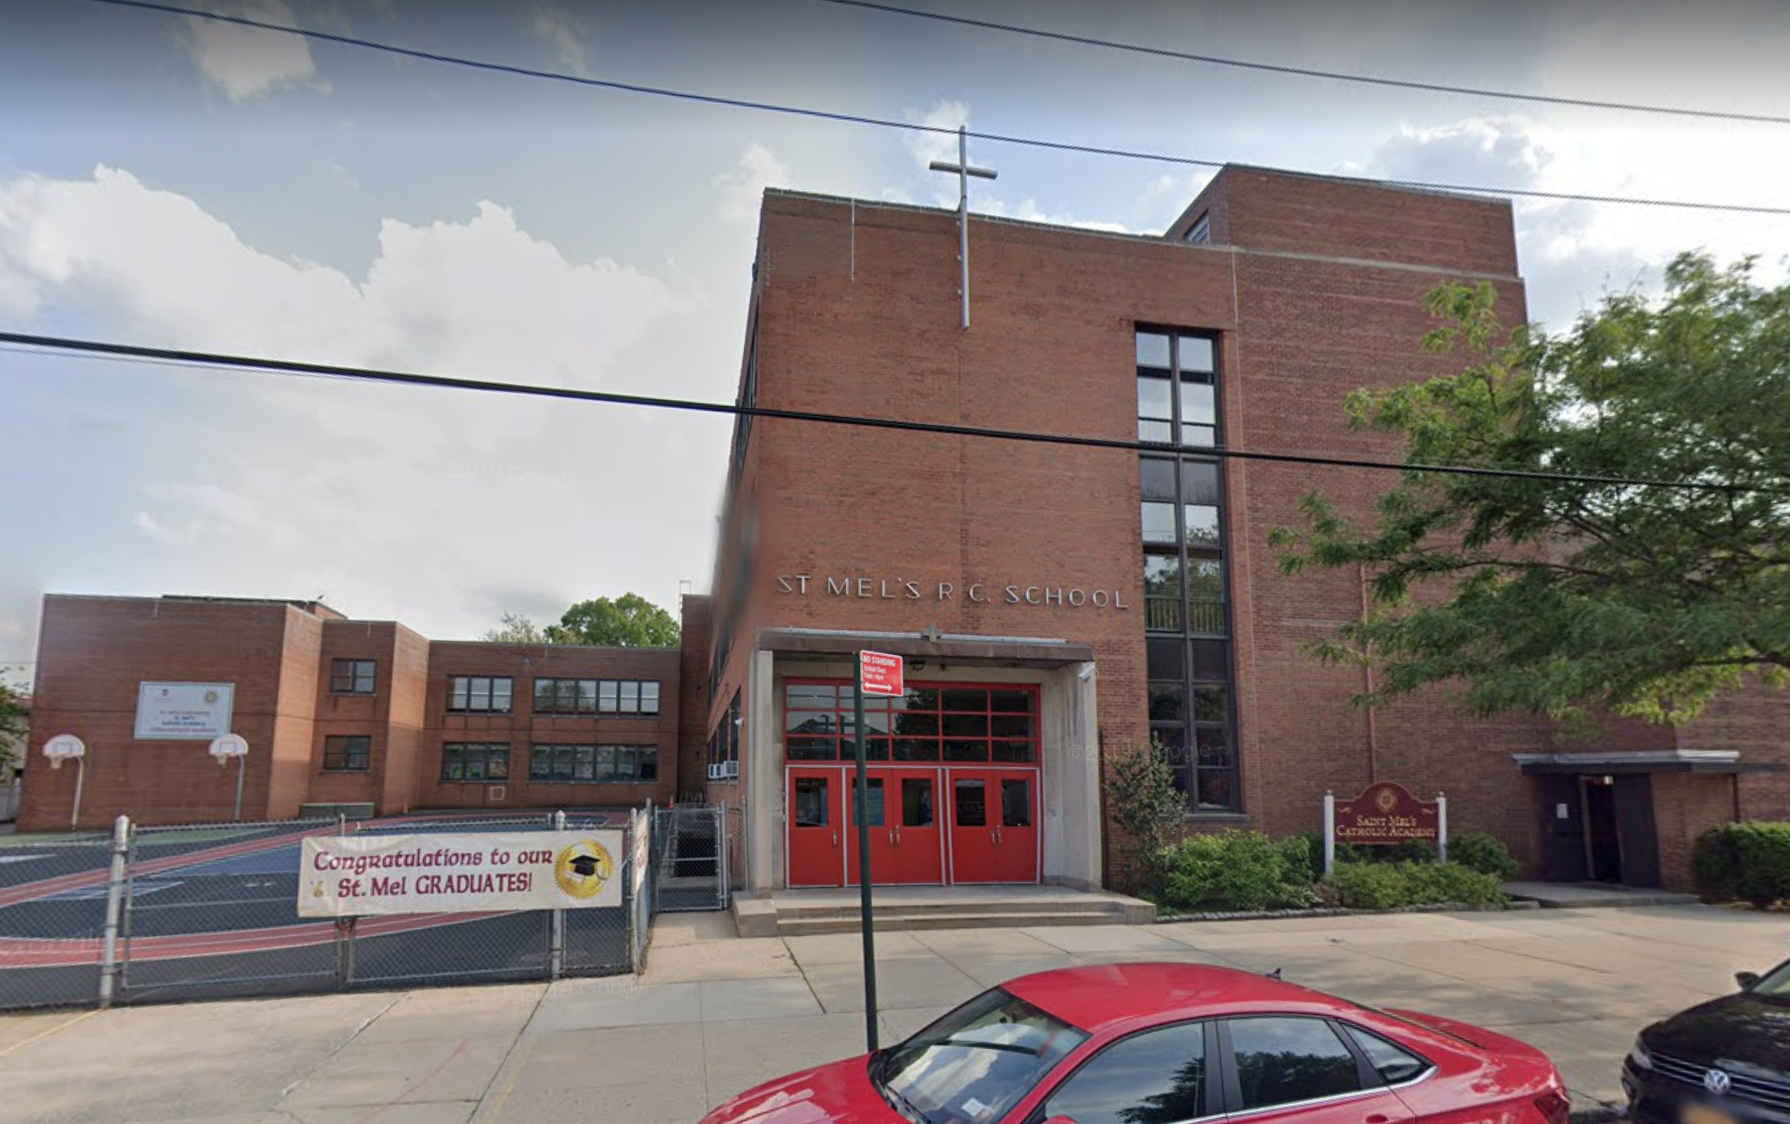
1149, 811
1566, 597
517, 629
628, 621
14, 721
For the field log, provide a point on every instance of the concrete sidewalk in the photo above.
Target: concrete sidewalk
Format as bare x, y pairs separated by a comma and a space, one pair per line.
715, 1014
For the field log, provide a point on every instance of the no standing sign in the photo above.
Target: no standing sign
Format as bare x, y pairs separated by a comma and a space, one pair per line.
880, 674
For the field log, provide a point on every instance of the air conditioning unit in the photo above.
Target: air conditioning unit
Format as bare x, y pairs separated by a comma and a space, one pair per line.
715, 768
730, 769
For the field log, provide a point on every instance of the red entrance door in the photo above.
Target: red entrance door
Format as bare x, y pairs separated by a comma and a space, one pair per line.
816, 825
919, 846
994, 833
905, 846
882, 828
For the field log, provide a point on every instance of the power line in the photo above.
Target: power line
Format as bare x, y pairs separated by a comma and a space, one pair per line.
1307, 72
918, 127
63, 344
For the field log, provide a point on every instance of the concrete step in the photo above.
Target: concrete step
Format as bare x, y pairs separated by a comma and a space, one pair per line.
898, 922
1579, 895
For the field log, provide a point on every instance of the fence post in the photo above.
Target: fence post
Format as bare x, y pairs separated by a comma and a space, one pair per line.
556, 949
344, 952
723, 859
108, 966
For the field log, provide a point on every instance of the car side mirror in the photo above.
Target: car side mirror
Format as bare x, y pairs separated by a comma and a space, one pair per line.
1747, 980
1060, 1120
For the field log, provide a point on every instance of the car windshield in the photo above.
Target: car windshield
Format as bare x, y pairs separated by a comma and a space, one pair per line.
975, 1063
1776, 983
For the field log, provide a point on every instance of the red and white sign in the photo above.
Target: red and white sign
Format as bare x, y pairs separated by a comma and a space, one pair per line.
880, 674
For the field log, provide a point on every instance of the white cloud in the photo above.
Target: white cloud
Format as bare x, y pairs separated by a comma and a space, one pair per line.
1572, 252
247, 61
441, 508
925, 147
567, 32
743, 188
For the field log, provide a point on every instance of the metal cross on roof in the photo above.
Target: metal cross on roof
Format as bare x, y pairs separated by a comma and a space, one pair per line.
963, 172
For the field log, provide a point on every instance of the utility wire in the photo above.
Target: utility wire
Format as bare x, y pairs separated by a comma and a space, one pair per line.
918, 127
1307, 72
66, 345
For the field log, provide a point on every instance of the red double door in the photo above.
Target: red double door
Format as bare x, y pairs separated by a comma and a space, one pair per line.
928, 825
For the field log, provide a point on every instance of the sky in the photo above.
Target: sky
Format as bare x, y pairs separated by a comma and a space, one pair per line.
178, 182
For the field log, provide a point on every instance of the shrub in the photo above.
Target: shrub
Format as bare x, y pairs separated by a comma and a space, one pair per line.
1238, 870
1411, 851
1747, 862
1149, 812
1397, 885
1485, 853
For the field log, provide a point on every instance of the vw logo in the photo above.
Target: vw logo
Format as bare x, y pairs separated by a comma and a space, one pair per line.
1717, 1082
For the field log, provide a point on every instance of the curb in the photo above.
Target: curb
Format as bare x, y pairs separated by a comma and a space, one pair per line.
1283, 914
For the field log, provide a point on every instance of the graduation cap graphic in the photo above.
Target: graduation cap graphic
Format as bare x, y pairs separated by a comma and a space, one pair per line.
584, 866
583, 869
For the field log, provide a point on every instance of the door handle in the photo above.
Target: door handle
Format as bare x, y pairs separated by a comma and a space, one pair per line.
835, 839
1378, 1118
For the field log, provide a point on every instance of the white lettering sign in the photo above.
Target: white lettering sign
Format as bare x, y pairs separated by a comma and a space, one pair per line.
184, 711
978, 593
362, 875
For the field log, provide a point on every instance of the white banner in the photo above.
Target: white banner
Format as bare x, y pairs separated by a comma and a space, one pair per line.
184, 711
361, 875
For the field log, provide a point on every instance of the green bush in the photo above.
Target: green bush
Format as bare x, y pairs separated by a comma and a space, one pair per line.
1485, 853
1238, 871
1410, 851
1747, 862
1397, 885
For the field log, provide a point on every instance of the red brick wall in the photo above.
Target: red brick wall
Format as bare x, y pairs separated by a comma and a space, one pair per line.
406, 720
1685, 805
693, 703
521, 728
93, 653
1050, 349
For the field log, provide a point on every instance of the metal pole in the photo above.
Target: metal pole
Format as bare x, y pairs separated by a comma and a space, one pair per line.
74, 818
1441, 827
863, 804
241, 765
108, 967
963, 218
1329, 834
556, 957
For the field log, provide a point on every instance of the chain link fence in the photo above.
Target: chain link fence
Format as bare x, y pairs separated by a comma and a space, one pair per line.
690, 858
211, 911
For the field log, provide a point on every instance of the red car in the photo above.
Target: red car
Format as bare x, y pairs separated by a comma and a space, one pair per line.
1165, 1043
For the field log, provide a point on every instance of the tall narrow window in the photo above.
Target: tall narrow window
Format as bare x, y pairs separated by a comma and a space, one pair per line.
1186, 617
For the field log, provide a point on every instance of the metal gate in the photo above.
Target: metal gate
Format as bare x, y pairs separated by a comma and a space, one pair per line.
690, 858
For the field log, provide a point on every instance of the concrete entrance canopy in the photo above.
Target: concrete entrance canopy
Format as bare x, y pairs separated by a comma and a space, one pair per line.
1641, 761
1069, 756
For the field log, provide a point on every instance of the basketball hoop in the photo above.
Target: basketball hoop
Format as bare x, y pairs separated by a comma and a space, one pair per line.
223, 749
62, 747
226, 747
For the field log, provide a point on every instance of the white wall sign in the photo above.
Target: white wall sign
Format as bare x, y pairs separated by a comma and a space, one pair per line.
184, 711
362, 875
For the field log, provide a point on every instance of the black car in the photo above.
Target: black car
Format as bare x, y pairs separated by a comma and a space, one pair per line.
1722, 1062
